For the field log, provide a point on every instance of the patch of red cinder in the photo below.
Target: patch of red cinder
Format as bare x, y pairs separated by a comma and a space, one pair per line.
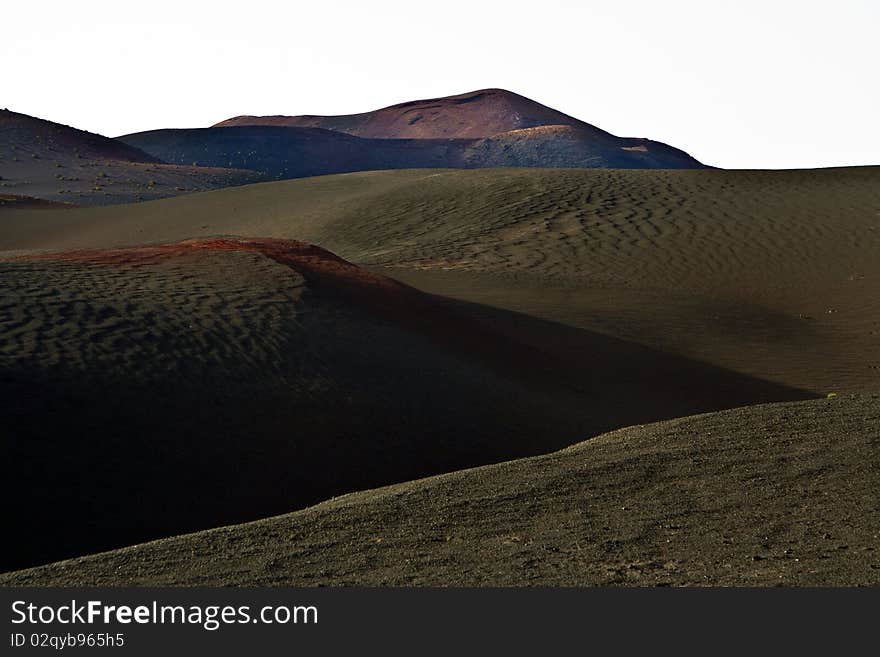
309, 260
322, 270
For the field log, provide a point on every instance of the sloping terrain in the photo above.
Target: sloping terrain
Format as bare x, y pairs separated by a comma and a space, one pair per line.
772, 274
471, 115
571, 147
50, 161
29, 136
781, 494
555, 305
154, 390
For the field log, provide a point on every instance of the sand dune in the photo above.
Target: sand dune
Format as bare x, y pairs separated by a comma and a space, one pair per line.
782, 494
771, 274
136, 381
50, 161
545, 307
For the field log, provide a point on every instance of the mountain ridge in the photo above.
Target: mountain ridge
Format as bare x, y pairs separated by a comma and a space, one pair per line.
480, 129
450, 117
479, 115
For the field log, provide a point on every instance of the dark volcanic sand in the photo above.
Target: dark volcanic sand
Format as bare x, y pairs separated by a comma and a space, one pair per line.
780, 494
161, 389
773, 274
572, 303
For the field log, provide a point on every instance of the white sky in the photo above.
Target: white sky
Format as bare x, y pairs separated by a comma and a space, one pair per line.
747, 84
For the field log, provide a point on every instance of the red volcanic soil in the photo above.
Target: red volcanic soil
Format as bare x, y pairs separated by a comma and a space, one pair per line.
475, 114
315, 263
321, 269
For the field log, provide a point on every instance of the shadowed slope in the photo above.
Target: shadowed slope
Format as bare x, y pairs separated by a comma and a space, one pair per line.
47, 160
288, 152
781, 494
284, 152
154, 390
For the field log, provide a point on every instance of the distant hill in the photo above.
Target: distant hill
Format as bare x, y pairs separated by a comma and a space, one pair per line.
30, 135
567, 303
490, 128
466, 116
491, 113
573, 146
55, 162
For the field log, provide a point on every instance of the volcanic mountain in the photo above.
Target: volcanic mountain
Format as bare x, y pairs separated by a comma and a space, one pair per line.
489, 128
472, 115
50, 161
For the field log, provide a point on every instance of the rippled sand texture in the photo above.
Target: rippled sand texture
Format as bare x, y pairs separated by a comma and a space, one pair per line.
147, 322
155, 390
769, 273
221, 380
